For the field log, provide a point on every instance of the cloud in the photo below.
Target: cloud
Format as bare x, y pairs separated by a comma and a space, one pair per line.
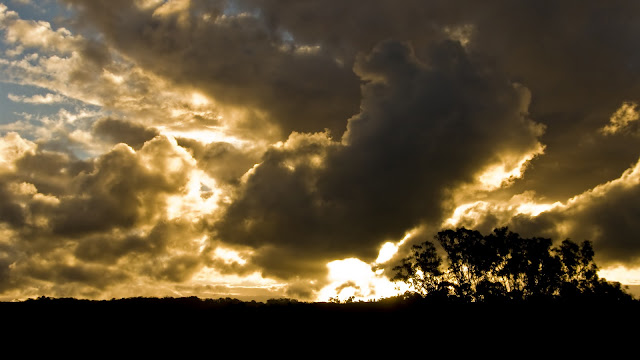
622, 119
582, 71
38, 99
12, 148
605, 215
234, 58
222, 160
28, 34
192, 140
124, 188
314, 199
82, 226
120, 131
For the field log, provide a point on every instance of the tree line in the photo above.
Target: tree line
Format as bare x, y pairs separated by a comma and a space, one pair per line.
504, 266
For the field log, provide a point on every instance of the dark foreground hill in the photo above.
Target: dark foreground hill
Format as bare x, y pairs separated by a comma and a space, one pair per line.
407, 324
428, 314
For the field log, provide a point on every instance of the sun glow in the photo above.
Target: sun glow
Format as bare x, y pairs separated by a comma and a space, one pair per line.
355, 278
389, 249
624, 275
204, 135
116, 79
229, 256
199, 100
200, 198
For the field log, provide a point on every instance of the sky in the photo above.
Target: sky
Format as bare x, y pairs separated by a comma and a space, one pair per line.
258, 149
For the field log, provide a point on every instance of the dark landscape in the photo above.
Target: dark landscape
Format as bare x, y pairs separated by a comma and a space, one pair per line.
571, 303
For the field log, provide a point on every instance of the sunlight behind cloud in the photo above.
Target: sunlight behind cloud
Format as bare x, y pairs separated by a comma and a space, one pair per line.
170, 7
534, 209
12, 147
198, 100
465, 210
145, 141
389, 249
229, 255
116, 79
471, 213
200, 198
511, 168
622, 274
354, 278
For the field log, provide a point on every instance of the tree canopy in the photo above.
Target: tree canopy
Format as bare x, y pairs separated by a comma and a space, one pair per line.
504, 266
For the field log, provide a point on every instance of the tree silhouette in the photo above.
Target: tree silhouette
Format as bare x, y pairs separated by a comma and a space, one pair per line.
421, 270
503, 265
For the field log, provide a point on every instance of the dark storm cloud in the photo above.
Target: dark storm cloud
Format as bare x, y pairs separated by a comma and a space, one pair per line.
236, 59
606, 215
121, 131
580, 62
579, 59
425, 127
419, 97
124, 189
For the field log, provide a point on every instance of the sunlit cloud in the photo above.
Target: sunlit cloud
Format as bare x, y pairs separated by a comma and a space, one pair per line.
472, 214
25, 34
389, 249
38, 99
510, 169
12, 148
253, 148
622, 118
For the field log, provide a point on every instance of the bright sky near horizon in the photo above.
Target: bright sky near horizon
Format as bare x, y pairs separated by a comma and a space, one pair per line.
266, 148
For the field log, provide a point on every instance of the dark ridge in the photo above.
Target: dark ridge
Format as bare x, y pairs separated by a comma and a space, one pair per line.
412, 306
411, 323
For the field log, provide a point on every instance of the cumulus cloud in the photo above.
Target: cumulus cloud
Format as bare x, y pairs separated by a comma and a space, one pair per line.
605, 215
577, 63
95, 222
28, 34
12, 148
425, 127
222, 160
235, 58
191, 140
119, 131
